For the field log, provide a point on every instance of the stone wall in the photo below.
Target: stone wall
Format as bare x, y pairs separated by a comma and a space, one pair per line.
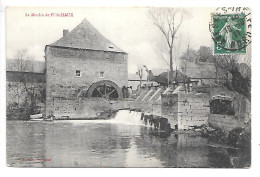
61, 66
193, 109
169, 107
185, 109
27, 77
80, 108
85, 108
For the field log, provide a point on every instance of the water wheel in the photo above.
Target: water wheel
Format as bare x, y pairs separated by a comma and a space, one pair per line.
104, 89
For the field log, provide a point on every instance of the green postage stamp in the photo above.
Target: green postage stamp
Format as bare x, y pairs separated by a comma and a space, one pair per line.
229, 33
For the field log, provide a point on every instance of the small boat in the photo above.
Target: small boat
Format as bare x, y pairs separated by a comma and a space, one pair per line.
48, 119
36, 117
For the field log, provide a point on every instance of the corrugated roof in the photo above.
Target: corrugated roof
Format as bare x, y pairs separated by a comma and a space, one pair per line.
86, 36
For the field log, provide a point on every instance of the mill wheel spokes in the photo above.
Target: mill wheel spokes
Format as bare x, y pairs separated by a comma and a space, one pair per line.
105, 91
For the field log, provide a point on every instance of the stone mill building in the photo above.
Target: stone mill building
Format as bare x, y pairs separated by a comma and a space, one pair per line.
83, 68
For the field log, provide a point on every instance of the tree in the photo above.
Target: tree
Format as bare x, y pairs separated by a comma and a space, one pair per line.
165, 20
140, 73
26, 84
190, 55
205, 54
224, 64
232, 72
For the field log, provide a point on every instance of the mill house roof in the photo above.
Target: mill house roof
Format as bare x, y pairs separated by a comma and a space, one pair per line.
86, 36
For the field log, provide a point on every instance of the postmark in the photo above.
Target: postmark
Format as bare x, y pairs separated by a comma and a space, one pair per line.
230, 30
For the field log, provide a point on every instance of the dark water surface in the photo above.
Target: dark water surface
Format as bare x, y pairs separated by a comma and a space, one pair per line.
104, 143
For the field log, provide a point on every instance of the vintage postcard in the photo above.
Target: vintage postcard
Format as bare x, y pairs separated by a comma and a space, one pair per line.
128, 87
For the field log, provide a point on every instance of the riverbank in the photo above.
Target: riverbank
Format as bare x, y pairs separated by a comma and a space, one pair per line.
236, 138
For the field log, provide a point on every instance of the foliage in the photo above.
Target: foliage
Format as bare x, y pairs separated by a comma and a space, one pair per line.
218, 135
240, 137
20, 111
205, 54
228, 65
190, 55
234, 75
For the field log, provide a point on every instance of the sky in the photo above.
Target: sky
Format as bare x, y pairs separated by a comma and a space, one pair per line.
128, 28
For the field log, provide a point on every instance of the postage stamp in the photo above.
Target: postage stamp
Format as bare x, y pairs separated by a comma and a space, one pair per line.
229, 31
230, 34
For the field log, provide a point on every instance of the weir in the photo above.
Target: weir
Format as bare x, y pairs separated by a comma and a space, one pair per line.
139, 118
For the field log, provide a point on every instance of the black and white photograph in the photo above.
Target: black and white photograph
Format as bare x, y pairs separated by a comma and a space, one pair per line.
106, 87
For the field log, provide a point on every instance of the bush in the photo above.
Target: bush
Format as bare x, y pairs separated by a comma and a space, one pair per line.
240, 137
20, 112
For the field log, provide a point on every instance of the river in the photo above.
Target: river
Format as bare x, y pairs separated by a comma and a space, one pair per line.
108, 143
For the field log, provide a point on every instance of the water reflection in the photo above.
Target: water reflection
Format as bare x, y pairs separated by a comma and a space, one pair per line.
108, 144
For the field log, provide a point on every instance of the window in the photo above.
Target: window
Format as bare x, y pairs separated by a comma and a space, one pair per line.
101, 74
78, 73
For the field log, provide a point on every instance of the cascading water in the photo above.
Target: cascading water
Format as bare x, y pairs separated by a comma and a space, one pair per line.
128, 117
137, 118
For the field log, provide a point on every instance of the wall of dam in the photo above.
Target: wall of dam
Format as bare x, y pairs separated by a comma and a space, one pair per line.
183, 110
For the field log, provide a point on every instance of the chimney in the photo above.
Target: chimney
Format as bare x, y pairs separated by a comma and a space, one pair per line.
65, 32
